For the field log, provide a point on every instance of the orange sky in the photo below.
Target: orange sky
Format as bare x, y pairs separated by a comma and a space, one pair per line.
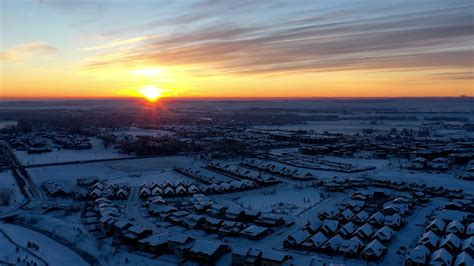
52, 51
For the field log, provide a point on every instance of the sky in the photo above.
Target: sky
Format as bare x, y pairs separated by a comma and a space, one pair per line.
245, 48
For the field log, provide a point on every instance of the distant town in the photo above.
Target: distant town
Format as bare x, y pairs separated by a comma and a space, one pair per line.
256, 182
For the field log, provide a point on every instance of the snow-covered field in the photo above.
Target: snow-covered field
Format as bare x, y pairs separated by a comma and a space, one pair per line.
7, 182
48, 249
134, 171
97, 152
133, 131
285, 200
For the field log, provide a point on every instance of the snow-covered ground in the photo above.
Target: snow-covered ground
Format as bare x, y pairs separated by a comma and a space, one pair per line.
285, 200
48, 249
7, 182
133, 171
134, 131
97, 152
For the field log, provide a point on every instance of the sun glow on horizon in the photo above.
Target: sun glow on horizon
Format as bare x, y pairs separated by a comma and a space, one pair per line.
152, 93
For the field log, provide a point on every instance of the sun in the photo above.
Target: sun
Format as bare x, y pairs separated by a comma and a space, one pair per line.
151, 93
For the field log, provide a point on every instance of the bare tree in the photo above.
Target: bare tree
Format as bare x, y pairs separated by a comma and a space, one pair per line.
6, 196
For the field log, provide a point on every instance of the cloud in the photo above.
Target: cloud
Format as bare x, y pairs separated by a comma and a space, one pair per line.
122, 42
27, 50
429, 38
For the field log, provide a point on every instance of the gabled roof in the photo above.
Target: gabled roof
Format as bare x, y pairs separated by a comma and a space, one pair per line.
451, 240
206, 247
374, 248
318, 239
274, 256
464, 259
419, 254
429, 238
377, 217
455, 227
395, 219
442, 255
384, 234
330, 225
365, 230
468, 244
351, 245
333, 243
436, 224
470, 229
347, 214
299, 236
349, 228
362, 216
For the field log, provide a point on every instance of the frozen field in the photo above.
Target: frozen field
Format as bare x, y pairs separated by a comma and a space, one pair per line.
133, 131
56, 156
7, 181
357, 126
133, 171
285, 200
48, 248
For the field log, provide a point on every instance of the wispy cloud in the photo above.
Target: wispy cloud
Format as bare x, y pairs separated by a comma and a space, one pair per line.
429, 38
122, 42
27, 50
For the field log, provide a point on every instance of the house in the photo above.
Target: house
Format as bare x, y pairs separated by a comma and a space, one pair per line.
271, 220
161, 210
139, 231
251, 215
468, 245
212, 224
365, 232
313, 226
333, 244
144, 192
347, 230
122, 193
217, 210
373, 251
96, 193
464, 259
394, 221
377, 219
437, 226
296, 239
384, 234
451, 243
330, 227
255, 232
418, 163
351, 247
417, 256
440, 164
455, 227
441, 257
360, 218
245, 256
328, 214
315, 242
429, 240
270, 258
345, 215
121, 225
176, 240
156, 244
206, 252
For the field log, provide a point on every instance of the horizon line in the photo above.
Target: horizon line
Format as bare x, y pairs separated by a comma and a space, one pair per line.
213, 98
